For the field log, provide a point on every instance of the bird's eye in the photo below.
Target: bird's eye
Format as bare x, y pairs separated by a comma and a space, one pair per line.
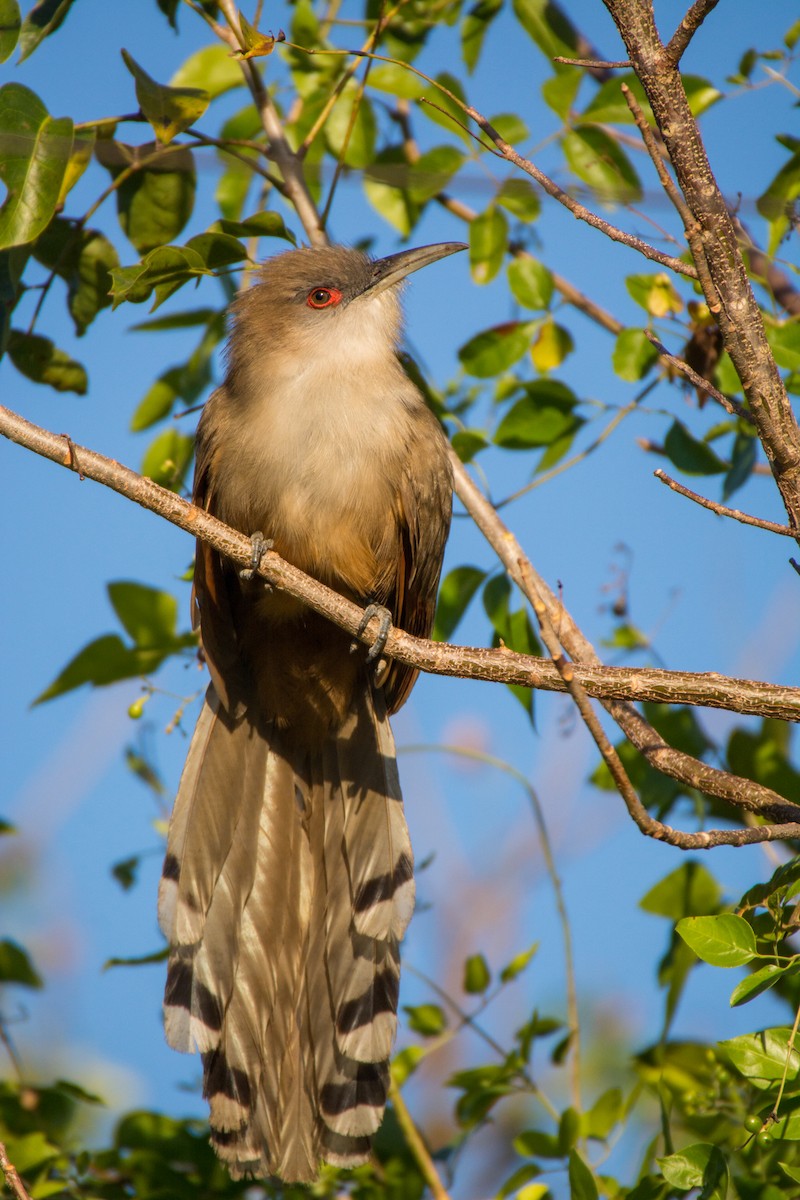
323, 297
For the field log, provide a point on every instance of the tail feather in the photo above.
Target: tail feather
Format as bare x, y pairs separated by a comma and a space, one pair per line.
377, 845
287, 885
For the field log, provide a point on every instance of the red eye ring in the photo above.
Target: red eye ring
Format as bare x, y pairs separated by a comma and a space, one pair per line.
323, 297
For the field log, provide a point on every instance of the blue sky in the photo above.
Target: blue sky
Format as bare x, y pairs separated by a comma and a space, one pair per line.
716, 596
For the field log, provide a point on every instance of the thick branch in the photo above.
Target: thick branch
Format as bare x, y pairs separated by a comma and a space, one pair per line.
495, 666
738, 314
689, 771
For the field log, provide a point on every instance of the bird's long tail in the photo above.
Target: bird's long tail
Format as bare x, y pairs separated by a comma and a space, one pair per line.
287, 886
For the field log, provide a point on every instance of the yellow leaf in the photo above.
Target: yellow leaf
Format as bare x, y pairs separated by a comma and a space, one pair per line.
551, 346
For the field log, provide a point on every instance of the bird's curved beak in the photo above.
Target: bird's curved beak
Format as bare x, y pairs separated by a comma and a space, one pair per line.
390, 270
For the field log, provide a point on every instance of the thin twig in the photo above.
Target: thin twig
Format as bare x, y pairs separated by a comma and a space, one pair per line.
664, 758
722, 510
658, 153
419, 1151
510, 154
11, 1175
728, 403
280, 151
592, 64
688, 28
568, 463
573, 1016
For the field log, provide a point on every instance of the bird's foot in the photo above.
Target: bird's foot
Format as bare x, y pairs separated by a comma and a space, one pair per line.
385, 618
260, 546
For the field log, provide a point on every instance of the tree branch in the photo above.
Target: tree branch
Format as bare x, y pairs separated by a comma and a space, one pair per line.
708, 690
738, 317
11, 1176
689, 771
722, 510
688, 28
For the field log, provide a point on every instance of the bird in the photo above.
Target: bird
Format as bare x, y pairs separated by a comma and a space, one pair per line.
287, 884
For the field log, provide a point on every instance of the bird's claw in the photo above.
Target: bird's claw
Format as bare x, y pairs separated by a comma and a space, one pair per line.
385, 618
260, 546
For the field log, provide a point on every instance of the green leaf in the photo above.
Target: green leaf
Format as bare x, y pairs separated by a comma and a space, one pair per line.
156, 201
125, 872
9, 27
169, 110
699, 1166
179, 320
511, 127
37, 358
488, 237
688, 891
792, 1172
530, 281
217, 250
608, 105
432, 171
163, 271
426, 1019
764, 757
776, 203
512, 1185
105, 660
84, 258
537, 1144
784, 340
604, 1114
560, 90
210, 69
140, 960
386, 190
148, 615
757, 983
549, 26
724, 940
42, 20
689, 455
656, 293
543, 415
397, 80
495, 350
743, 460
467, 443
167, 459
457, 589
36, 152
261, 224
518, 963
474, 28
158, 401
477, 975
453, 117
601, 163
405, 1063
582, 1185
513, 629
355, 147
634, 355
762, 1057
520, 198
16, 966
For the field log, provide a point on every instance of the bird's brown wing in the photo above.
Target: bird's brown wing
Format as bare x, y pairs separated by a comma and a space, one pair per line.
214, 590
424, 506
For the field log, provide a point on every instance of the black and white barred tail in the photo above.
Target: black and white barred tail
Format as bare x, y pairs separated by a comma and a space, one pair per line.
287, 887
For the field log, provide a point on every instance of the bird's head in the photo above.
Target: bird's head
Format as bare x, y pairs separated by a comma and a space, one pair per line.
331, 301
